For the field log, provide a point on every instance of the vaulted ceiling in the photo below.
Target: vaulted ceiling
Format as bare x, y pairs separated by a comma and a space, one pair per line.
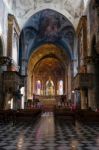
47, 26
24, 9
48, 66
48, 54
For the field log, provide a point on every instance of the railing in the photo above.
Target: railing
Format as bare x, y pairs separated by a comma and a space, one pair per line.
83, 80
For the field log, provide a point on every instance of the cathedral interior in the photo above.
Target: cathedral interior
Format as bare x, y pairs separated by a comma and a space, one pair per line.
49, 75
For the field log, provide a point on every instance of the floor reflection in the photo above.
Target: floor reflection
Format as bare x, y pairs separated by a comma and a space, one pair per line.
46, 127
20, 143
48, 134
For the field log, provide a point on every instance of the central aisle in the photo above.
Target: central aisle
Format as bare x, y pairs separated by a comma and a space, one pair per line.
46, 134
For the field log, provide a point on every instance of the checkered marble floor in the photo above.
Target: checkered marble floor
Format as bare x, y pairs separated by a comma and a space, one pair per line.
46, 134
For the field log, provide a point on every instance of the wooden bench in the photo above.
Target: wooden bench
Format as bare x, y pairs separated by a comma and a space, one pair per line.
27, 115
7, 116
65, 115
87, 116
13, 116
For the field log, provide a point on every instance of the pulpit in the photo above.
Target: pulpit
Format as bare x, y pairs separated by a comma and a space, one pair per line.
12, 81
83, 81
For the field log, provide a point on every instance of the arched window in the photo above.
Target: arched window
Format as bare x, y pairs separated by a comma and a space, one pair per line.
50, 88
38, 87
23, 97
60, 87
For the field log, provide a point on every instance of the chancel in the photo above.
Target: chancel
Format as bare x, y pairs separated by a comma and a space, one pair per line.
49, 74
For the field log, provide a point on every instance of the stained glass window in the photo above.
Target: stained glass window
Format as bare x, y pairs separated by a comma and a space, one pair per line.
60, 87
38, 87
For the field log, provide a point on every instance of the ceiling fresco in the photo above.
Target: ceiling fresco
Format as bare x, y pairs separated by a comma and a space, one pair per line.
24, 9
47, 51
49, 65
47, 26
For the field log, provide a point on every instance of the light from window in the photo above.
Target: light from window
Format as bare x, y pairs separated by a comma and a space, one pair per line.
38, 87
60, 87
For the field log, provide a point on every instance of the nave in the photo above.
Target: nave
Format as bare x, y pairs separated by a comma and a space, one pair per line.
48, 134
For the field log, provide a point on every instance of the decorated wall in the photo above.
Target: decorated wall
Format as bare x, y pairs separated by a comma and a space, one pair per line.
24, 9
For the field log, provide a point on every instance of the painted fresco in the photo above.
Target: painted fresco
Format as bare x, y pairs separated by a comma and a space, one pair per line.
23, 9
48, 26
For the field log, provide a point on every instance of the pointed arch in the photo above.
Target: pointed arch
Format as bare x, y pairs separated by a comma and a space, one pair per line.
46, 26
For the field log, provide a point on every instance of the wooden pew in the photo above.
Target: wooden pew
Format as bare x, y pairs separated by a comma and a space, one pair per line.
27, 115
65, 115
87, 116
8, 116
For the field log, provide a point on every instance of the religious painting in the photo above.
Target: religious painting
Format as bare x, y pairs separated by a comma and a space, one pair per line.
50, 88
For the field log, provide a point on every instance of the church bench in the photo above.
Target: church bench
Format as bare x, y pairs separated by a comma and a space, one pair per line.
14, 116
27, 115
65, 115
7, 115
87, 116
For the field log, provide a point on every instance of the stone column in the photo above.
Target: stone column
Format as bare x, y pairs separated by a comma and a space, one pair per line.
91, 99
83, 99
29, 86
97, 37
55, 85
32, 84
65, 83
91, 91
44, 87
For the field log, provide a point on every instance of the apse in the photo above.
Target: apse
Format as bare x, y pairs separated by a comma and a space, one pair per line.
46, 71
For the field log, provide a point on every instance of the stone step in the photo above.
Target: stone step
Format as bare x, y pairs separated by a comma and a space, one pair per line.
48, 102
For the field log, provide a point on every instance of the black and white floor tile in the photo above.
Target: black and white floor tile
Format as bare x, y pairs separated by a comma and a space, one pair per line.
46, 134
